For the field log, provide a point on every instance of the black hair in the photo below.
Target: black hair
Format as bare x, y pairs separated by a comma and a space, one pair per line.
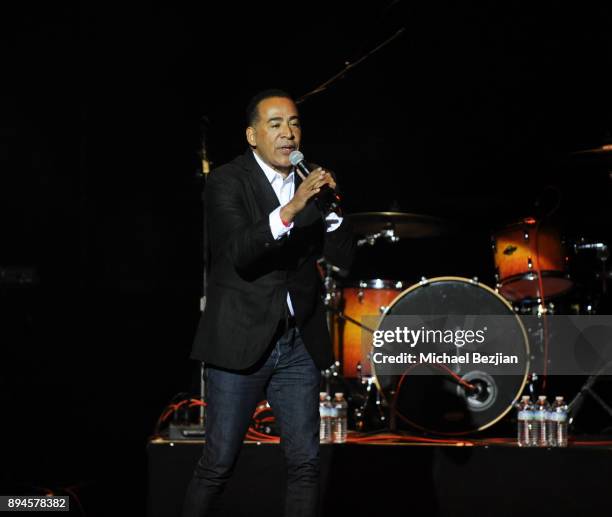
252, 111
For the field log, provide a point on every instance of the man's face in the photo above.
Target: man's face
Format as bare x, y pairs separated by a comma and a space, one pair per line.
276, 133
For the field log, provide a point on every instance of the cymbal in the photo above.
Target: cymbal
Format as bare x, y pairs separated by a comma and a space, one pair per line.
404, 225
607, 148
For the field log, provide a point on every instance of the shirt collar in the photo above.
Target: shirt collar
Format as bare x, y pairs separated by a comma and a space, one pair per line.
270, 173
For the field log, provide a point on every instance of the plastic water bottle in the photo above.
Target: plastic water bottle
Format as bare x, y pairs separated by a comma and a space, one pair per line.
325, 430
339, 418
539, 429
333, 418
557, 433
525, 419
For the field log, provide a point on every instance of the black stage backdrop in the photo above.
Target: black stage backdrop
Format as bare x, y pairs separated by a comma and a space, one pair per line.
472, 114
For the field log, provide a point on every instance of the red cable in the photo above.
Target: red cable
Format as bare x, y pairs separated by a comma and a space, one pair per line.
171, 408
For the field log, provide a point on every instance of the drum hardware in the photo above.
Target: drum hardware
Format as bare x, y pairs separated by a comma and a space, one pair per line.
330, 298
537, 254
344, 317
460, 402
329, 373
602, 249
603, 149
363, 298
395, 226
388, 235
483, 391
532, 277
368, 388
542, 308
360, 293
377, 283
531, 386
587, 389
602, 254
530, 261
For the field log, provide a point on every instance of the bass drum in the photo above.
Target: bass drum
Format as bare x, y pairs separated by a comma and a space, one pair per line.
440, 404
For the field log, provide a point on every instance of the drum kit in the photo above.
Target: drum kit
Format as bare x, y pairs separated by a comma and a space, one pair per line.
533, 275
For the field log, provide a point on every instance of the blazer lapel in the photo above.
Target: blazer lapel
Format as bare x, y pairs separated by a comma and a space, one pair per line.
310, 213
265, 196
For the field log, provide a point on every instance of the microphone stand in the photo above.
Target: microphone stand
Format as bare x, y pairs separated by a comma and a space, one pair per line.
205, 247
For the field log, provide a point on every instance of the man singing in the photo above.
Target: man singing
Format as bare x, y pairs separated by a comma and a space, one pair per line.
264, 330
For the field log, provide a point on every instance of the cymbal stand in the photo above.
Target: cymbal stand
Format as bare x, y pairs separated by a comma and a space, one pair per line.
388, 234
330, 288
602, 254
587, 389
360, 411
206, 262
328, 373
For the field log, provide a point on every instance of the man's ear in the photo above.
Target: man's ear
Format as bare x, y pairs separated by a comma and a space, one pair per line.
250, 136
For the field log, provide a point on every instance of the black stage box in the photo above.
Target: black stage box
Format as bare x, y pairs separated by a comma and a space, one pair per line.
400, 479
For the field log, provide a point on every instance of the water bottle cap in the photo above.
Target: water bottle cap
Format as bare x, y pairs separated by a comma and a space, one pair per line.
558, 398
339, 394
322, 394
525, 397
542, 397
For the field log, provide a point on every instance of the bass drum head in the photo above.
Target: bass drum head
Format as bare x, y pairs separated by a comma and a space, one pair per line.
438, 403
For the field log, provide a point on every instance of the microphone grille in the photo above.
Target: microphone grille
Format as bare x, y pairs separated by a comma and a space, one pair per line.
296, 157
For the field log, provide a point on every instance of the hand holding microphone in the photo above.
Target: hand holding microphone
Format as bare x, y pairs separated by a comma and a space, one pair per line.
327, 199
310, 187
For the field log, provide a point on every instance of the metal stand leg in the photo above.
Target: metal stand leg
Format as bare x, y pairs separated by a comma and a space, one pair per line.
587, 389
202, 418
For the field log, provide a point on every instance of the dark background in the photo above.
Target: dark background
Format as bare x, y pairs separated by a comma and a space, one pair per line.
471, 114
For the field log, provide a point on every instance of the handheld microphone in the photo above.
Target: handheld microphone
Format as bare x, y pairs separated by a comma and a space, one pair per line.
328, 200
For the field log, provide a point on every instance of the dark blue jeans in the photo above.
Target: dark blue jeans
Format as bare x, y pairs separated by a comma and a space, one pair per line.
291, 381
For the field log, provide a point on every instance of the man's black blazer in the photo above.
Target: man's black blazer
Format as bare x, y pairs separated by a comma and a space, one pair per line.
250, 272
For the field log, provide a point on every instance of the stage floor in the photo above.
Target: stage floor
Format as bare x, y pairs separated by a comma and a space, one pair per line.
387, 475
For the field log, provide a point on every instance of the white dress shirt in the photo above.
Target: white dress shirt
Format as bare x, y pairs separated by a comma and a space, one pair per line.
284, 188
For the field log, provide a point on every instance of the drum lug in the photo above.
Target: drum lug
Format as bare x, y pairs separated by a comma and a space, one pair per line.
474, 280
383, 308
529, 263
541, 309
423, 280
360, 293
526, 236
